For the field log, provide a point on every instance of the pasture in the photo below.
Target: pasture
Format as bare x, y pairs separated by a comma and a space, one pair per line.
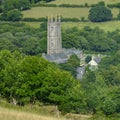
89, 2
106, 26
38, 12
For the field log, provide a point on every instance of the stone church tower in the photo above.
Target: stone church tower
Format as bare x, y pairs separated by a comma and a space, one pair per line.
54, 42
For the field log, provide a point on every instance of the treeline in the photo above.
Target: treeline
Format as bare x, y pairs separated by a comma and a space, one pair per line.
6, 5
11, 9
91, 39
33, 41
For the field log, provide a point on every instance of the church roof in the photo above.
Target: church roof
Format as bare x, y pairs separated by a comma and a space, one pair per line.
58, 57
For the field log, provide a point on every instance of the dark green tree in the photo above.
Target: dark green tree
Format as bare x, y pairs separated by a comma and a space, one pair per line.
99, 13
16, 4
71, 65
88, 59
12, 15
1, 9
74, 60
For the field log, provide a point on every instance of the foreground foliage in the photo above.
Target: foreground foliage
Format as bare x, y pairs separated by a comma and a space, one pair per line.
27, 79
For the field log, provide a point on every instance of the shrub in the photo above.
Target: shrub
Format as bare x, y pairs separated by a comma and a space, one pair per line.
44, 5
70, 20
35, 19
117, 5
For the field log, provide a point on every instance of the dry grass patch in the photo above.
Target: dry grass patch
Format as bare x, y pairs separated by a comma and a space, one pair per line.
7, 114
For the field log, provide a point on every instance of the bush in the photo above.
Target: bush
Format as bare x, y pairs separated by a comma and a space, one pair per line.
71, 5
44, 5
118, 16
88, 59
117, 5
70, 20
35, 19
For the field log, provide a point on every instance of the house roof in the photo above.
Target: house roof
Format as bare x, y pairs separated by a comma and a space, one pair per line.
95, 61
92, 63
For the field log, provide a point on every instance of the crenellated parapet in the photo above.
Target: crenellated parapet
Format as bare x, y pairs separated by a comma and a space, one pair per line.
56, 18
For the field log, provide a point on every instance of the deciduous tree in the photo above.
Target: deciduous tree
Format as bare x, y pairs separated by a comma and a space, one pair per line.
100, 13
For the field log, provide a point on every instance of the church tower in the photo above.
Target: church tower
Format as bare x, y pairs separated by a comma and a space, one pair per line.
54, 42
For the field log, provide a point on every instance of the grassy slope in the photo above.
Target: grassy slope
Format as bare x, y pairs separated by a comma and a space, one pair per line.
83, 1
35, 112
8, 114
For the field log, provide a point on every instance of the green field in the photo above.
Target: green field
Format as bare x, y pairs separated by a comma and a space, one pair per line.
83, 1
38, 12
107, 26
